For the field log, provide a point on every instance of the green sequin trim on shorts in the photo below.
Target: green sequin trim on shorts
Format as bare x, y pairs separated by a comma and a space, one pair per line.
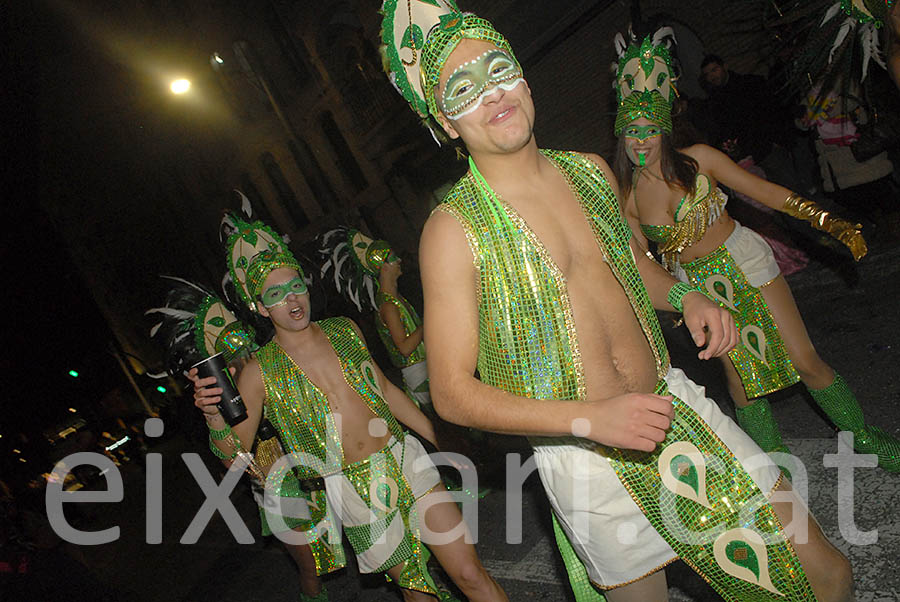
760, 356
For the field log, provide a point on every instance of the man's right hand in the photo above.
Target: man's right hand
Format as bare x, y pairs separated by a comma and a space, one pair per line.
205, 395
631, 421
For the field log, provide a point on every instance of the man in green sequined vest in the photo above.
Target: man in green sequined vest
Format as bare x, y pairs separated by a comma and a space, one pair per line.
338, 414
530, 278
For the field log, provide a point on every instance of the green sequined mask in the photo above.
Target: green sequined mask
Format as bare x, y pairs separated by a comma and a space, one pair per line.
471, 82
442, 41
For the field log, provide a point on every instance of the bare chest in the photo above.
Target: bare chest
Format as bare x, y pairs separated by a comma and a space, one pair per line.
655, 201
561, 230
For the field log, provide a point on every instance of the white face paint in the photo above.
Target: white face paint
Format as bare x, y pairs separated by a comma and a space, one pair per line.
472, 81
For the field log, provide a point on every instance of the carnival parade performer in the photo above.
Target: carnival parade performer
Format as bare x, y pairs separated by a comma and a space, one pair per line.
671, 197
367, 271
530, 278
197, 324
339, 419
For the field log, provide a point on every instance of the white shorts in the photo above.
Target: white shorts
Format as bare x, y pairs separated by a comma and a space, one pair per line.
610, 534
348, 503
414, 377
751, 252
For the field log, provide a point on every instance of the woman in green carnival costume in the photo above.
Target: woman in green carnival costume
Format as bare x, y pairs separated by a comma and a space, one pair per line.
506, 317
338, 419
368, 270
671, 197
196, 324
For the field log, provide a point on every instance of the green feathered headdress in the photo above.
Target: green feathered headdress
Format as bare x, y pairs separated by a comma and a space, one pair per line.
645, 85
418, 36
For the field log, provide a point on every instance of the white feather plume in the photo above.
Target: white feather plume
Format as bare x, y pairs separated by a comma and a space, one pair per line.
179, 314
337, 272
831, 12
664, 34
868, 38
619, 44
324, 269
246, 207
187, 282
843, 32
354, 297
370, 287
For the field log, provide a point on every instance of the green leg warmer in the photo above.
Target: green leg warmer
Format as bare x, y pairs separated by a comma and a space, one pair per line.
578, 577
757, 421
840, 405
322, 596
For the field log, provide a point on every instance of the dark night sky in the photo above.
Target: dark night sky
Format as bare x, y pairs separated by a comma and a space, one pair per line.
51, 322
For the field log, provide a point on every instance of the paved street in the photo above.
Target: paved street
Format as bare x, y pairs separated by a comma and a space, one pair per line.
855, 329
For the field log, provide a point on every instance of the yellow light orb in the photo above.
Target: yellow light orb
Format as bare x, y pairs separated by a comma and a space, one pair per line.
180, 86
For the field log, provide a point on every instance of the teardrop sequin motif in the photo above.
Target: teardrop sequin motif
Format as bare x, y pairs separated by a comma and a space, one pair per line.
742, 554
383, 493
721, 289
754, 339
683, 470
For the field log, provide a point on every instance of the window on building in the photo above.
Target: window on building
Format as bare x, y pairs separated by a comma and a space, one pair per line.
311, 169
285, 192
288, 45
346, 161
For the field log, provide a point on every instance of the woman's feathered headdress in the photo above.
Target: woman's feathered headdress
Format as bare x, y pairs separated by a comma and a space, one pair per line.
196, 324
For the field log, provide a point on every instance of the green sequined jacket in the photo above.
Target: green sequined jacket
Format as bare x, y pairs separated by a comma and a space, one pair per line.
411, 321
300, 410
527, 339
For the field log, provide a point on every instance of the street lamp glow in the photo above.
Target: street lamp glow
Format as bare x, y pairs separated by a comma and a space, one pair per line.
73, 410
180, 86
217, 58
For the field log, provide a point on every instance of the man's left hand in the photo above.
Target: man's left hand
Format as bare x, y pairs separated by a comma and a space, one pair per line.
711, 326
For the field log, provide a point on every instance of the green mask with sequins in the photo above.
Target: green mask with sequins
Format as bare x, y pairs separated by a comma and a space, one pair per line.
642, 132
277, 294
471, 82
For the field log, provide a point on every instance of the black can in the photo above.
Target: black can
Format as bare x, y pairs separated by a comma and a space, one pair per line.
231, 405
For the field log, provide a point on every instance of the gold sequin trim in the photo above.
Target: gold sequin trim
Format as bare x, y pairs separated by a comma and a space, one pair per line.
558, 276
636, 579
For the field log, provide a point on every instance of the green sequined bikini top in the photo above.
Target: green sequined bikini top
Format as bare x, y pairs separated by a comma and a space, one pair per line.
299, 410
410, 320
694, 214
528, 343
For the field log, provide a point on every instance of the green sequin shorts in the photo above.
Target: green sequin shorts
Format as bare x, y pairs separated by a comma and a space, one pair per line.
304, 513
702, 497
375, 499
292, 507
731, 275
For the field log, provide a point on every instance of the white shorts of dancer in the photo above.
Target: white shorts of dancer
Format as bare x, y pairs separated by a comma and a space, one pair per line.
413, 377
420, 474
610, 534
751, 252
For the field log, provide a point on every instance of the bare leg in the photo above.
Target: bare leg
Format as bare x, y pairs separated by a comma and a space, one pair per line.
652, 588
457, 557
828, 570
302, 555
733, 381
814, 372
829, 390
753, 415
